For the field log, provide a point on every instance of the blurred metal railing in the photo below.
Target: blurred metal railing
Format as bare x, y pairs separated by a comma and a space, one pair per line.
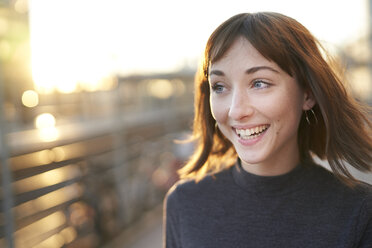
103, 171
6, 178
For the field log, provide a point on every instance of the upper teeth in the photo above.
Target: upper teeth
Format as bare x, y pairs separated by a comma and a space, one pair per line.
250, 131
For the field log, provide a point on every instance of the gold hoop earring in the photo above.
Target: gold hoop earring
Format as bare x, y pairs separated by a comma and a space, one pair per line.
307, 117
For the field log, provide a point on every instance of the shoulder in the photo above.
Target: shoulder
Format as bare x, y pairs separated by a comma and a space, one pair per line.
190, 189
363, 227
365, 190
354, 203
326, 180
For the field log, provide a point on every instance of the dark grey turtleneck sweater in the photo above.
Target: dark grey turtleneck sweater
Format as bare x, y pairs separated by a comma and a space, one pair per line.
307, 207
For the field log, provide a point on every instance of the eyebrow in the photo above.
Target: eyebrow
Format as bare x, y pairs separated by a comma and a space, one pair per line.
248, 71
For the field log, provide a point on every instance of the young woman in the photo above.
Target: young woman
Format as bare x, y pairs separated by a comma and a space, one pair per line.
266, 103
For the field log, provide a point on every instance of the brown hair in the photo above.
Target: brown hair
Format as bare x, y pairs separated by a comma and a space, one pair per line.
342, 132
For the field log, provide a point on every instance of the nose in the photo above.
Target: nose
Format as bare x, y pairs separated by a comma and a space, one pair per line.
240, 106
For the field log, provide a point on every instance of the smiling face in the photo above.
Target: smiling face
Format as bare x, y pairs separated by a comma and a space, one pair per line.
258, 107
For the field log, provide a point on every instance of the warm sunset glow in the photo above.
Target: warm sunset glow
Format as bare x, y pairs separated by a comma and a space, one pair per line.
30, 98
67, 86
67, 52
123, 37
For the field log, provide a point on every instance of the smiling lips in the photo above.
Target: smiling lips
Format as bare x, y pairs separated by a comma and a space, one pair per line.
251, 133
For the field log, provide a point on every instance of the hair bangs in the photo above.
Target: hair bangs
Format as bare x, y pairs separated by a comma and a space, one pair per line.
267, 38
265, 35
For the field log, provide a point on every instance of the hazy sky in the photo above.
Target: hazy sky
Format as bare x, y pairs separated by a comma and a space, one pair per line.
86, 39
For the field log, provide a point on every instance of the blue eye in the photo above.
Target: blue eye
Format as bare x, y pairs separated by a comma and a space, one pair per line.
218, 88
259, 84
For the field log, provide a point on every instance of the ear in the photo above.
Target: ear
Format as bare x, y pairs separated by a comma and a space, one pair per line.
309, 100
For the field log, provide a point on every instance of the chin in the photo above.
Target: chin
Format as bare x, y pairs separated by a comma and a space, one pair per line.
251, 160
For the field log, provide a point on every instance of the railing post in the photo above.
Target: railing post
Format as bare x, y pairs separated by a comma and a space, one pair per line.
369, 35
6, 173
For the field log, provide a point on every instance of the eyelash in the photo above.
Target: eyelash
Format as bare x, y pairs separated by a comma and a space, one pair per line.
266, 85
217, 88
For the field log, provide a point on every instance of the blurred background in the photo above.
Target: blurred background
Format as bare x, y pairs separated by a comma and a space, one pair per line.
93, 95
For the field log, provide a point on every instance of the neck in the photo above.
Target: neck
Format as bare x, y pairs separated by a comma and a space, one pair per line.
279, 165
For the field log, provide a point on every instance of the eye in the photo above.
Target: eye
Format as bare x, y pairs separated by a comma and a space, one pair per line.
260, 84
218, 88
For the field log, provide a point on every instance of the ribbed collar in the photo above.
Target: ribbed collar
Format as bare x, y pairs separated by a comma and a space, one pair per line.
271, 185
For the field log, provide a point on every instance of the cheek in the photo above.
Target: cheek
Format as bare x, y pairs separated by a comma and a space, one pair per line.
218, 109
286, 115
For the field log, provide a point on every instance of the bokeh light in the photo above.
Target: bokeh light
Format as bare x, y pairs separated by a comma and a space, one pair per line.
45, 123
21, 6
45, 120
30, 98
160, 88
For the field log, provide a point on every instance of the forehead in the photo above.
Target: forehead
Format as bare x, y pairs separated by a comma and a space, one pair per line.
241, 54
